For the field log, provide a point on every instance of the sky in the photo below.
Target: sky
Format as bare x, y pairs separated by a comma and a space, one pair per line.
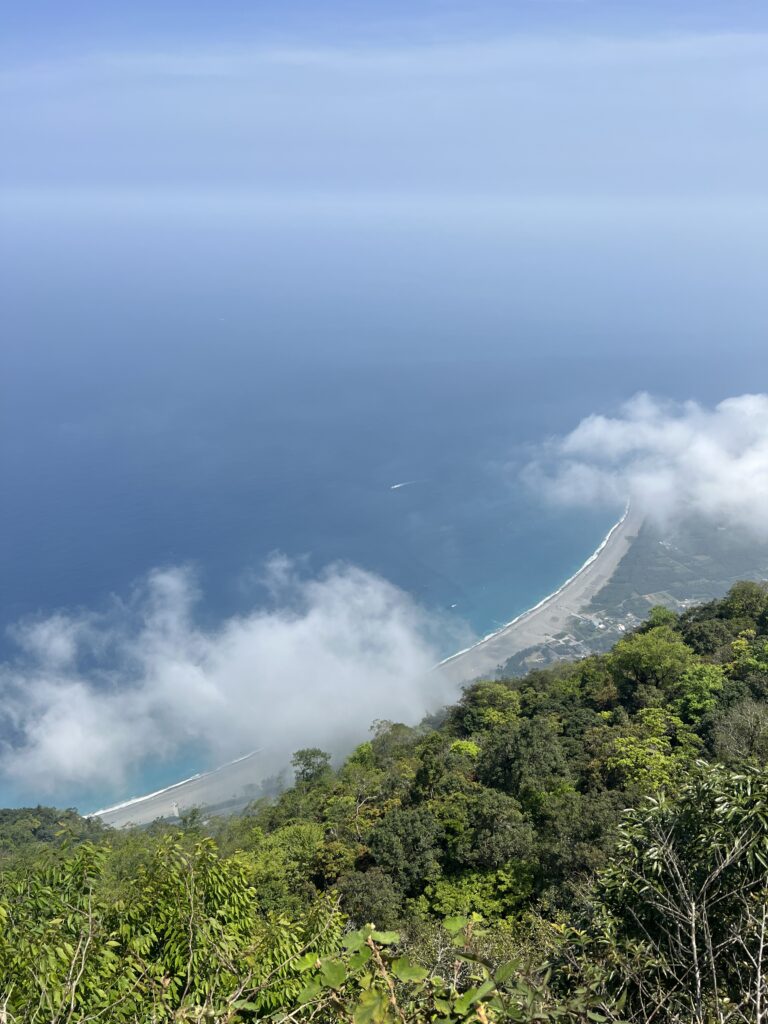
40, 26
529, 99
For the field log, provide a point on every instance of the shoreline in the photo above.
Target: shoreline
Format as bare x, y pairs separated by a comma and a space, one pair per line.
551, 614
538, 624
198, 777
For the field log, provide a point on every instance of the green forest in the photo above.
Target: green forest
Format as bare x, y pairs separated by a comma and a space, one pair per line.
586, 843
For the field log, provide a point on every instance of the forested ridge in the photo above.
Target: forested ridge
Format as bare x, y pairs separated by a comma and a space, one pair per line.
586, 843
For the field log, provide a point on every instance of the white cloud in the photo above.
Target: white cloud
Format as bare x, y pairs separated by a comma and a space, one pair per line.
671, 460
92, 698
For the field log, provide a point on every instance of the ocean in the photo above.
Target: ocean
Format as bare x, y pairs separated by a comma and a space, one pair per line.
182, 389
303, 461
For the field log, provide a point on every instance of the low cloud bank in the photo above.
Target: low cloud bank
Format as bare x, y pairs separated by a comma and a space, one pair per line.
94, 696
673, 461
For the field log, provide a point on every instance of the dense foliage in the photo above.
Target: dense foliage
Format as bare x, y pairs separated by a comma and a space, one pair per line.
586, 843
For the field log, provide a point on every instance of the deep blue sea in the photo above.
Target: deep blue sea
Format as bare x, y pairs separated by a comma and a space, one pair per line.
189, 388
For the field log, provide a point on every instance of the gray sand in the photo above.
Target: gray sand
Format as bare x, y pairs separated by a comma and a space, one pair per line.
226, 786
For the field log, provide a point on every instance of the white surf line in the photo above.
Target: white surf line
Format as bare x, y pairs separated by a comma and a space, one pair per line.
545, 600
405, 483
169, 789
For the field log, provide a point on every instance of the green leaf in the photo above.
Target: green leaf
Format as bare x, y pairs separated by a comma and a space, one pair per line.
464, 1002
455, 924
404, 970
386, 938
360, 958
334, 973
472, 995
355, 940
373, 1008
304, 963
505, 971
310, 992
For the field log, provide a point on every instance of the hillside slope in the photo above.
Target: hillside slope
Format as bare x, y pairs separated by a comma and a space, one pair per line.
589, 842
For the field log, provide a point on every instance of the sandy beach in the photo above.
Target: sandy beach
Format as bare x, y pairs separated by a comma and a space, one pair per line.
550, 616
228, 783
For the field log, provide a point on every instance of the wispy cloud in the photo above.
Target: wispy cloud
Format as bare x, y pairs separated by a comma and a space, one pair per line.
479, 58
672, 460
531, 113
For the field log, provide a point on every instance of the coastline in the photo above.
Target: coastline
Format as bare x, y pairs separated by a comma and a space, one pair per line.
551, 615
216, 785
538, 624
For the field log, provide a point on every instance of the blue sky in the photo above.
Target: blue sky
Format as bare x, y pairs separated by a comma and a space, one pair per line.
46, 26
536, 97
